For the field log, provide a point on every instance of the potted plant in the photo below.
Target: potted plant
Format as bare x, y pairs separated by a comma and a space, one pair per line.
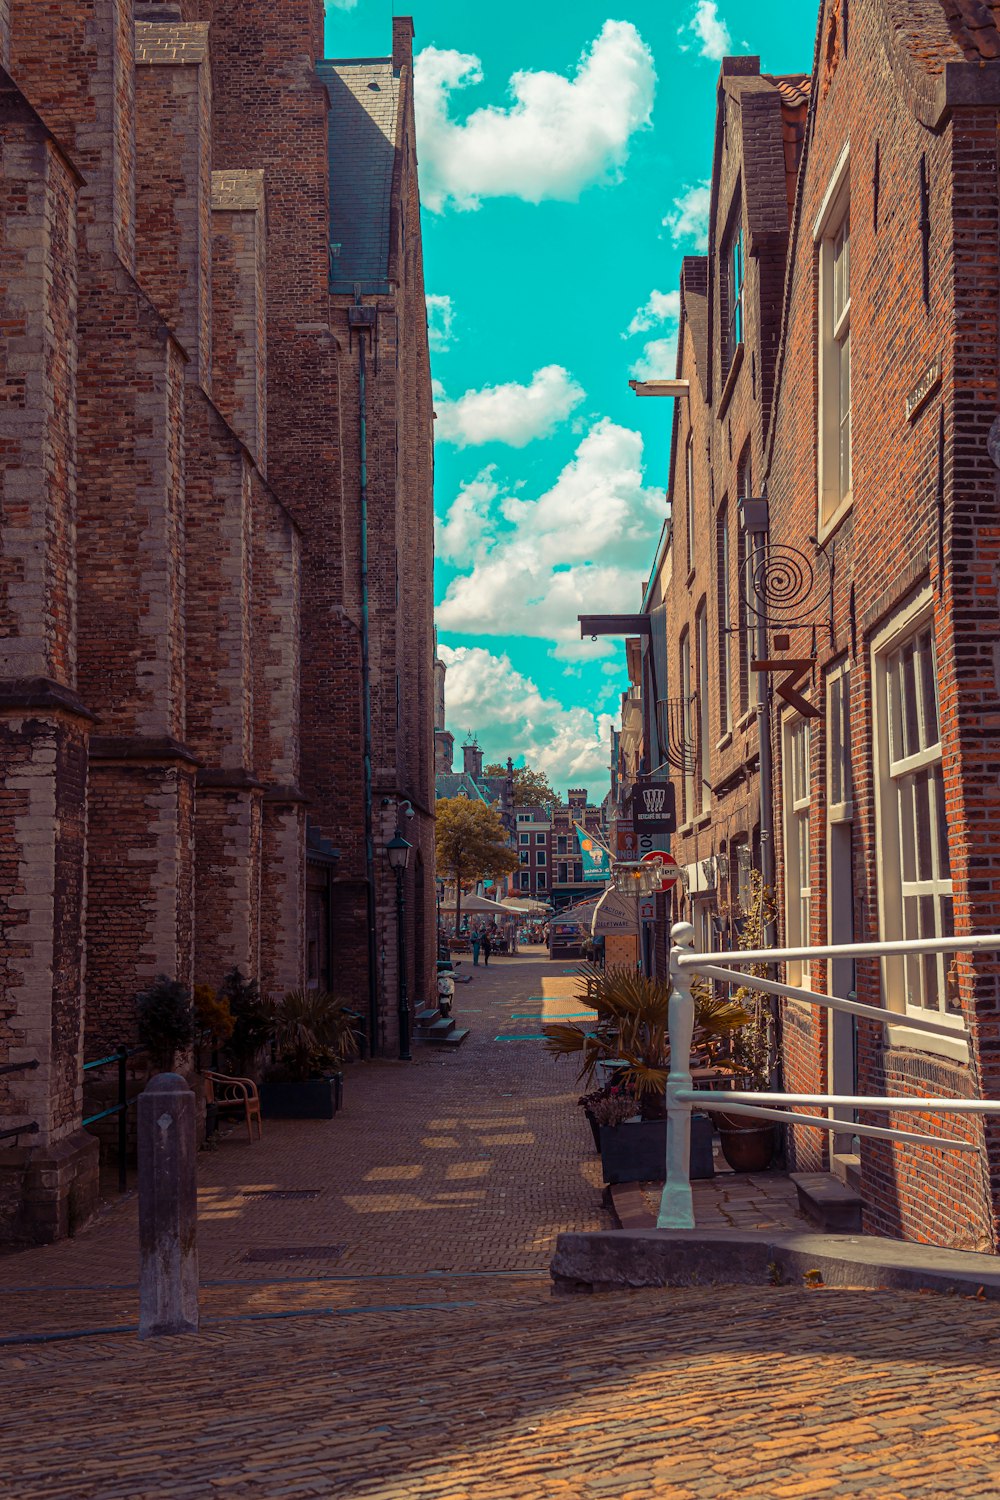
630, 1026
165, 1021
748, 1144
312, 1033
251, 1029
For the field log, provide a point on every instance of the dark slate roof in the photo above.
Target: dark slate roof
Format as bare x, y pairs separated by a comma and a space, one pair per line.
461, 784
364, 94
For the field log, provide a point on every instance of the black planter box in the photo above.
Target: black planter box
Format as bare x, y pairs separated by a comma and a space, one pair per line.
637, 1150
313, 1099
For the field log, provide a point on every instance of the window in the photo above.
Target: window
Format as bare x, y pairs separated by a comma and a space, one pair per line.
747, 619
525, 838
539, 838
704, 763
797, 790
733, 291
541, 880
913, 856
539, 856
723, 605
525, 880
525, 856
689, 501
578, 871
561, 844
561, 874
687, 735
524, 817
838, 722
833, 233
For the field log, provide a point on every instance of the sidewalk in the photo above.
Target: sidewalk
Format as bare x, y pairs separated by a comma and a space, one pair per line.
470, 1161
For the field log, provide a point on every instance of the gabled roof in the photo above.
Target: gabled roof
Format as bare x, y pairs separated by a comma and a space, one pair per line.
361, 133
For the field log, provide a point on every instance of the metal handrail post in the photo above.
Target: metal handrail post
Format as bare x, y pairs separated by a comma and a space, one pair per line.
122, 1118
676, 1202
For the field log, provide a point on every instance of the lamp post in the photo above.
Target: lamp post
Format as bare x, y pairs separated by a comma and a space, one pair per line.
637, 879
397, 852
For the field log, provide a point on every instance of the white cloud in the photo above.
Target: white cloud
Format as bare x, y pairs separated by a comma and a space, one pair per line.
440, 318
711, 31
458, 537
688, 219
343, 4
511, 716
658, 360
511, 413
557, 136
662, 307
659, 356
580, 548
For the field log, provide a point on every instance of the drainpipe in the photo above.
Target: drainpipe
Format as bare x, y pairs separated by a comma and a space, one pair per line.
360, 318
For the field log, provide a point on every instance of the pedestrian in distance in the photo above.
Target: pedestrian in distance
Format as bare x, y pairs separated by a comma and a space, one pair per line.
487, 949
476, 943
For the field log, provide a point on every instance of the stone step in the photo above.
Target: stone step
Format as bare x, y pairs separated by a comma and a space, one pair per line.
828, 1202
440, 1026
452, 1037
425, 1016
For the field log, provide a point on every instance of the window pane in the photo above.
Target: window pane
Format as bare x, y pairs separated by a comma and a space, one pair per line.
928, 681
836, 747
943, 852
922, 814
845, 415
907, 851
894, 687
911, 731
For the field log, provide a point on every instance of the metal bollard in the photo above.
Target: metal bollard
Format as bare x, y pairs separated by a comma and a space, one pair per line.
168, 1208
676, 1202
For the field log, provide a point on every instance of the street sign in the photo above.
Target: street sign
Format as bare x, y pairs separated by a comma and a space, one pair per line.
647, 909
654, 807
671, 869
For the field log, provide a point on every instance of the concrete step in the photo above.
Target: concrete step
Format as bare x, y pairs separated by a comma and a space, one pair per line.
440, 1026
828, 1202
425, 1016
452, 1036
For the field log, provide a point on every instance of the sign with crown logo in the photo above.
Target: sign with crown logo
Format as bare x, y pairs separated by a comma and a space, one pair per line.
654, 807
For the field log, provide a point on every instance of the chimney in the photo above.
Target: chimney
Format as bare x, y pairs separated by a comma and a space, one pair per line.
402, 43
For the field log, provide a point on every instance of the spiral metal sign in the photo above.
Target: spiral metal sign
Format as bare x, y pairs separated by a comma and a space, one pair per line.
780, 583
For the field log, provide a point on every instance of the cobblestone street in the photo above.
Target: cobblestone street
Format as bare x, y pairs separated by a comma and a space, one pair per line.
386, 1330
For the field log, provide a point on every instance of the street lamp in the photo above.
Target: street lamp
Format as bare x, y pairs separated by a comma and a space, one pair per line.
397, 852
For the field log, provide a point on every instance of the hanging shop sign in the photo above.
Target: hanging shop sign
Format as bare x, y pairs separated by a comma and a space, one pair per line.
654, 807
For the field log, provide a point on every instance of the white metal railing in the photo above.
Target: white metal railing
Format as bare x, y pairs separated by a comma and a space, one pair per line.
676, 1203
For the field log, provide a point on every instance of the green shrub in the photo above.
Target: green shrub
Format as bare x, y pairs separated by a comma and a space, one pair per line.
165, 1019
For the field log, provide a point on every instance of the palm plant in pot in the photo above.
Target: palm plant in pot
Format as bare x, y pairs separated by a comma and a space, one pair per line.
312, 1034
630, 1028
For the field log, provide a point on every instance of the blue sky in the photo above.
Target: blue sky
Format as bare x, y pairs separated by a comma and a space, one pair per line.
563, 156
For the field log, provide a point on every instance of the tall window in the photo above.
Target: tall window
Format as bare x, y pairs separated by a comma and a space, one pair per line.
798, 893
724, 613
747, 619
733, 285
834, 235
687, 734
704, 763
689, 482
838, 723
914, 860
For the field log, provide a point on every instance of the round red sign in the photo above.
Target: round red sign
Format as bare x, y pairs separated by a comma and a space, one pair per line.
671, 869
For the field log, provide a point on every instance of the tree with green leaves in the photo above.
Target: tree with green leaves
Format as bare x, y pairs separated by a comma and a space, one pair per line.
531, 788
471, 845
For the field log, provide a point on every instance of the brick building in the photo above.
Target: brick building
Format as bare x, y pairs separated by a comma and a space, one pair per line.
196, 648
568, 884
840, 340
534, 850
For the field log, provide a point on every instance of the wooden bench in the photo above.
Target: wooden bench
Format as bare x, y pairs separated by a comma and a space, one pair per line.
234, 1096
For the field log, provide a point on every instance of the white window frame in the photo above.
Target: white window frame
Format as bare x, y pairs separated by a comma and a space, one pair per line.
797, 833
838, 685
540, 857
890, 772
833, 334
525, 838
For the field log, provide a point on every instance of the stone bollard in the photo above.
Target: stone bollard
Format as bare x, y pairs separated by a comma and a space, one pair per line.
168, 1208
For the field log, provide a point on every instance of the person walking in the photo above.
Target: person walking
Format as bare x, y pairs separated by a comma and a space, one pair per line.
487, 949
477, 939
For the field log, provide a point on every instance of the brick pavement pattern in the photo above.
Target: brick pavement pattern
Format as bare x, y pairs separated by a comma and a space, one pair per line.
430, 1362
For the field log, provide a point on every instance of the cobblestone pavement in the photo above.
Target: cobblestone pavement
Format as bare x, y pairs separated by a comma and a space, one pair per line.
427, 1360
